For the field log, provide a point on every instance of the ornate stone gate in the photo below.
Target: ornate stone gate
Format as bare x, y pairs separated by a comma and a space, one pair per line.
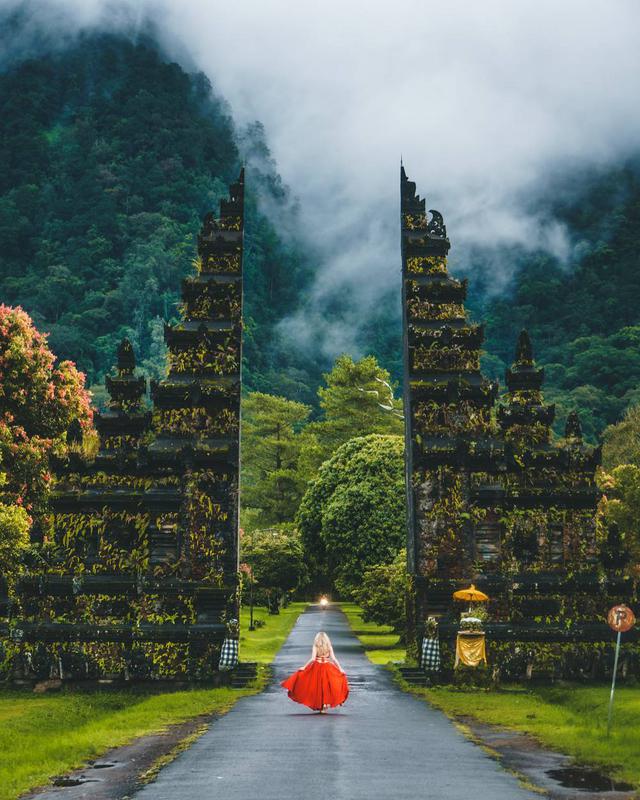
141, 577
493, 496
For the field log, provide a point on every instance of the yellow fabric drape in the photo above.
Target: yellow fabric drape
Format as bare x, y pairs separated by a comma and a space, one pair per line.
470, 650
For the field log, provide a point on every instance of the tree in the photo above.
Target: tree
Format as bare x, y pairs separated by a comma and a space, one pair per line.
15, 524
621, 442
271, 444
353, 514
282, 451
38, 401
277, 561
620, 506
382, 594
36, 393
357, 400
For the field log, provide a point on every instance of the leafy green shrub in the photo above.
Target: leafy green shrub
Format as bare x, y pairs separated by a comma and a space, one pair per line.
277, 562
14, 536
353, 515
382, 593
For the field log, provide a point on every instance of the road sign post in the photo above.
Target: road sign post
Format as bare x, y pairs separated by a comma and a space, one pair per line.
620, 619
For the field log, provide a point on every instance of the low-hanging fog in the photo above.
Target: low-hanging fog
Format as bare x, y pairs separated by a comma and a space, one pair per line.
489, 104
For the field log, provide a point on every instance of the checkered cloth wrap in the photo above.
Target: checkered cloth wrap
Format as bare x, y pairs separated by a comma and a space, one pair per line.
228, 655
430, 656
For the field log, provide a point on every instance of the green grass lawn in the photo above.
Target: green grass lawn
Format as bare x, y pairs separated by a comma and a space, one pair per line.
262, 644
42, 736
379, 641
571, 719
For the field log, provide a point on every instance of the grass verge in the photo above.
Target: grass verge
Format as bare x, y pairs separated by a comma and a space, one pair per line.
381, 644
46, 735
571, 719
262, 644
42, 736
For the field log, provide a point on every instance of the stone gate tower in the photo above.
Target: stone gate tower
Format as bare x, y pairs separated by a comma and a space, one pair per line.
492, 496
142, 539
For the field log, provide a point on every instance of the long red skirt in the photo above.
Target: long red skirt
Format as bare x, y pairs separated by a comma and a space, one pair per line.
317, 685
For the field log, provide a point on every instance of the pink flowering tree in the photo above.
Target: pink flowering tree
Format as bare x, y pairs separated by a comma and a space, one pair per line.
38, 401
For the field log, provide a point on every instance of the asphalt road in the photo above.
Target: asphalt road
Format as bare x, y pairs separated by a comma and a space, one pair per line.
382, 744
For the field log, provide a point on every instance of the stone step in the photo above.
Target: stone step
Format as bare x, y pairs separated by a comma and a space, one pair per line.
243, 674
413, 676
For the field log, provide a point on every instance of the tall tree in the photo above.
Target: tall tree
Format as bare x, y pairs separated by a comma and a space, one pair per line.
622, 441
357, 400
272, 483
39, 399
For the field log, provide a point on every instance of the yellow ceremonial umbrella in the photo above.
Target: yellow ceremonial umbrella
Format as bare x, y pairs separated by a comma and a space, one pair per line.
470, 650
471, 595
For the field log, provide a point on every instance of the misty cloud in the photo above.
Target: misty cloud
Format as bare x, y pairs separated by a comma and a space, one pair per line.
486, 102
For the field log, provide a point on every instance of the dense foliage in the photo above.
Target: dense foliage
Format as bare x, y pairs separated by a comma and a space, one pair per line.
36, 392
110, 159
14, 536
621, 442
382, 594
619, 479
356, 400
39, 399
277, 562
353, 515
282, 451
620, 507
272, 480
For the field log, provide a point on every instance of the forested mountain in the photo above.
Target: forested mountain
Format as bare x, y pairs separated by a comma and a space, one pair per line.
110, 157
584, 316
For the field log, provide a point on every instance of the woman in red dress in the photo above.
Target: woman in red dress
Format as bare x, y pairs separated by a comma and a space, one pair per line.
321, 683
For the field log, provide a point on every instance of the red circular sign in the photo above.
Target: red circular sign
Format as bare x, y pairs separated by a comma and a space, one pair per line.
621, 618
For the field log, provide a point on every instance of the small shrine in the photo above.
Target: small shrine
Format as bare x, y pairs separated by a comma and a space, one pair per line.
493, 497
142, 576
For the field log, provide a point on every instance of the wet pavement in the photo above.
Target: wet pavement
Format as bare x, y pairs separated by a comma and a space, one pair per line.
555, 773
382, 744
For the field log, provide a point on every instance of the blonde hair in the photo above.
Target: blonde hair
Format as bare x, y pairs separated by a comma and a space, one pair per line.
322, 643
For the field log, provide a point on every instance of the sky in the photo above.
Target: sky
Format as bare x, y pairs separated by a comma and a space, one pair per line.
488, 104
